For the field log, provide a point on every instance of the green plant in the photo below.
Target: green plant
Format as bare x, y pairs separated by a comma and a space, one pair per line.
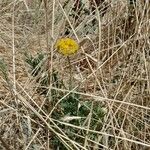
35, 62
75, 106
71, 106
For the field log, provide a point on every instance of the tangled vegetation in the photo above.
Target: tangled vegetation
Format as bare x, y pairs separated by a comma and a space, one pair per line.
95, 96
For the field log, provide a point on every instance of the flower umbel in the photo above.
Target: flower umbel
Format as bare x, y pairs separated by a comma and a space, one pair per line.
67, 46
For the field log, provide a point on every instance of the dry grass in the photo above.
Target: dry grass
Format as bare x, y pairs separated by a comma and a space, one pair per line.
111, 72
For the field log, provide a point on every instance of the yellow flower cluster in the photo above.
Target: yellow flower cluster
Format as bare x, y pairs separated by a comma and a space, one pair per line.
67, 46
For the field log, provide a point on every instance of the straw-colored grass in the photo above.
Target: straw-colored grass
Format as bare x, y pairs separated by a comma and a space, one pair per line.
108, 105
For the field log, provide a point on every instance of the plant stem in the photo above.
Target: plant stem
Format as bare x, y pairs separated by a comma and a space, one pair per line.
70, 72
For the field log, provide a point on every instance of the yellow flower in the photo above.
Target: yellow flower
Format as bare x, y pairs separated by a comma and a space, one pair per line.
67, 46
